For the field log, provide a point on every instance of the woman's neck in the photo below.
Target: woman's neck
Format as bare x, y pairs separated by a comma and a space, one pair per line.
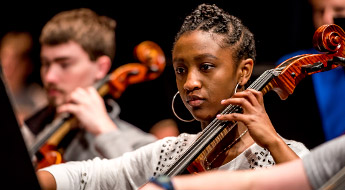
204, 124
233, 144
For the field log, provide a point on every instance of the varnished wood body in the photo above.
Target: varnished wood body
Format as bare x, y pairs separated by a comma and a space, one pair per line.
328, 39
152, 65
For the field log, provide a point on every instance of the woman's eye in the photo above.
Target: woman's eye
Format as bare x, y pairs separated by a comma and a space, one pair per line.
179, 70
206, 67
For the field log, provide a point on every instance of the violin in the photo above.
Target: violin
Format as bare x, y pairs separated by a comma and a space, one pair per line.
152, 64
329, 40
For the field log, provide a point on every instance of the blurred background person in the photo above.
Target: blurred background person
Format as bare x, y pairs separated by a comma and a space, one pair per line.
77, 49
326, 88
17, 61
165, 128
291, 27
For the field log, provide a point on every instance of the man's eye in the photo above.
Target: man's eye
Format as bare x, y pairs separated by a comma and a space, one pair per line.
64, 65
45, 65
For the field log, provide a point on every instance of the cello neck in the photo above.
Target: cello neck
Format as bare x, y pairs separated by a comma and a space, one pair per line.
214, 129
283, 79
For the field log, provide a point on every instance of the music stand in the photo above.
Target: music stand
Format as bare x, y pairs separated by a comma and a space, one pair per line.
16, 166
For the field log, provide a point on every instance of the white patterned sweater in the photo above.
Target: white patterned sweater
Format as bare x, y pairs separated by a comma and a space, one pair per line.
134, 169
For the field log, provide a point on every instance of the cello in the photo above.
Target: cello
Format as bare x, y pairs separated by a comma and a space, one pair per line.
48, 150
328, 39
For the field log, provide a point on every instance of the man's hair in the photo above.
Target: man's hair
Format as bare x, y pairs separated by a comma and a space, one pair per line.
210, 18
95, 33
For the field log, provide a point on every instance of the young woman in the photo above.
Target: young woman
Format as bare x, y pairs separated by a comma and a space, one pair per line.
213, 58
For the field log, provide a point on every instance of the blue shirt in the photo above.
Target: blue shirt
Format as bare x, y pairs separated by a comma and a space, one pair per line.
329, 89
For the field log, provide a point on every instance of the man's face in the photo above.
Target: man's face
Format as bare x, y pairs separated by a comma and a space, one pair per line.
324, 11
65, 67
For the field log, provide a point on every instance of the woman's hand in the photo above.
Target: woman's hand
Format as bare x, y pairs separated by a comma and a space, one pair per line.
259, 125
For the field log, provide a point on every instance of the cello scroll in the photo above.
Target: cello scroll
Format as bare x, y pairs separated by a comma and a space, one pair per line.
283, 80
152, 65
330, 41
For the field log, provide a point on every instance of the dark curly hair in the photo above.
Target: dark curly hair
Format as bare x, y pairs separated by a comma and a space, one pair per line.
210, 18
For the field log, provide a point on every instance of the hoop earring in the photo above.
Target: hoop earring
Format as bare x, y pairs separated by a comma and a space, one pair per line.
172, 106
236, 87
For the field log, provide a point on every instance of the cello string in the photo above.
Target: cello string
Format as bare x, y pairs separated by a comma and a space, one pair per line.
211, 130
319, 35
59, 122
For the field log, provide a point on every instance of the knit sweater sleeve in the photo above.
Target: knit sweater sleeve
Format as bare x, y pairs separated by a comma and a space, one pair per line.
325, 161
118, 142
129, 171
125, 138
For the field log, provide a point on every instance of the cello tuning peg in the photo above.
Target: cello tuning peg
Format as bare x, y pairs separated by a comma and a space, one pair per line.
310, 68
337, 60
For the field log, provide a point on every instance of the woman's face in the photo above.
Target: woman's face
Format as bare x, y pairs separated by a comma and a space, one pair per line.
205, 73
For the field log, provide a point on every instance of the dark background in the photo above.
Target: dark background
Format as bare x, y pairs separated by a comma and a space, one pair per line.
280, 27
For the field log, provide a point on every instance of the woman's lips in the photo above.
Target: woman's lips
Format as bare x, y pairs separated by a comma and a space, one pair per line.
195, 101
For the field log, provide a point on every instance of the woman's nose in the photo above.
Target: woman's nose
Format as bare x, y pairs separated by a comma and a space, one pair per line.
192, 82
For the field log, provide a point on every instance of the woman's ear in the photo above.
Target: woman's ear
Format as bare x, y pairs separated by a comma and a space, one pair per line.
104, 64
245, 71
